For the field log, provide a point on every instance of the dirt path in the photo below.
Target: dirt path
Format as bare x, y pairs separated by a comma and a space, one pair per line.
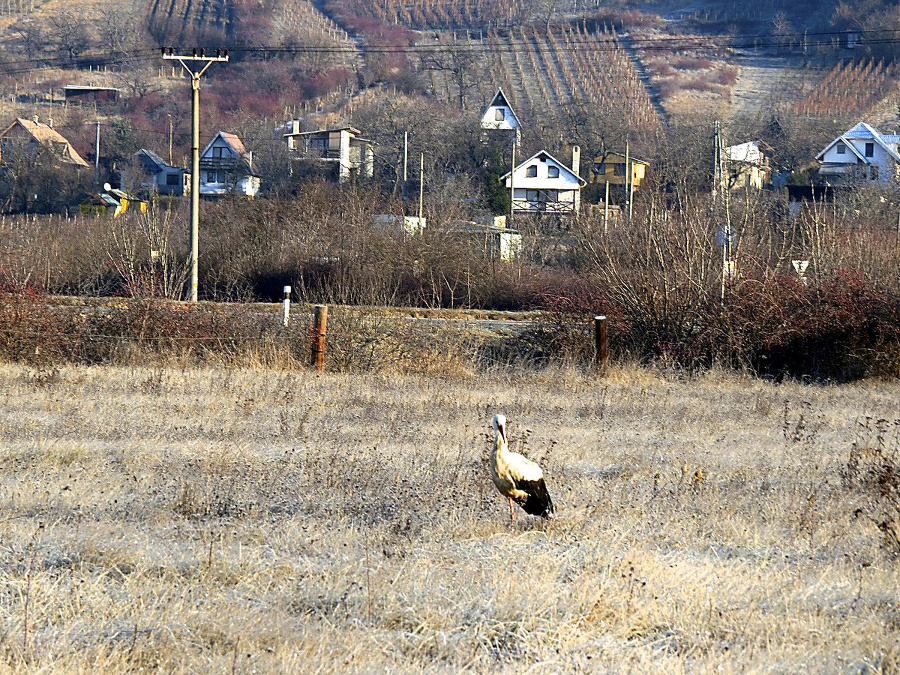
761, 77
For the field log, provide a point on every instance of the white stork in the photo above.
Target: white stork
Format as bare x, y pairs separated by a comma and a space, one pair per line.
520, 479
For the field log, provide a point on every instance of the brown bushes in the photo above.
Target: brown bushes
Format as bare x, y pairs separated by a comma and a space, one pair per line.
659, 280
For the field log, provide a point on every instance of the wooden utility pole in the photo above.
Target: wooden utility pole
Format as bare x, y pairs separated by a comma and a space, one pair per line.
627, 160
202, 63
721, 186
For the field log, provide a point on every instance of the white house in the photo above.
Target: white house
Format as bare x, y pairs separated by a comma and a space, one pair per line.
226, 168
861, 154
341, 151
543, 184
748, 166
499, 115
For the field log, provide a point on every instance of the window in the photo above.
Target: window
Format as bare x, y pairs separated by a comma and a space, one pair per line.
499, 114
541, 200
212, 177
552, 172
873, 172
600, 168
172, 179
531, 171
618, 169
870, 150
840, 149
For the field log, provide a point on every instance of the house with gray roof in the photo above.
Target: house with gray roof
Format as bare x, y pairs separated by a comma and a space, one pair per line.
158, 176
861, 154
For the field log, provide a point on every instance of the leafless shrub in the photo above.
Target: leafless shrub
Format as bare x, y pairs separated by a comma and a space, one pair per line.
873, 473
150, 253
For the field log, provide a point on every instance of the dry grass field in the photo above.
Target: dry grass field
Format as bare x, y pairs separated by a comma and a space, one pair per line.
225, 520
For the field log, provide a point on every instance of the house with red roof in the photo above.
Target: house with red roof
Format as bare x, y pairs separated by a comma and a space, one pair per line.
226, 168
24, 133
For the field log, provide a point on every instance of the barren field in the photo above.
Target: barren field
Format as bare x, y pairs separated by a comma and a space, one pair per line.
224, 520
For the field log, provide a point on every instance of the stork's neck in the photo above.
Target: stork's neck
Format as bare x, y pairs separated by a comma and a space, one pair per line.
501, 447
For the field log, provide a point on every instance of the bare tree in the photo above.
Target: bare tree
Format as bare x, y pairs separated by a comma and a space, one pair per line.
459, 63
70, 33
117, 36
33, 38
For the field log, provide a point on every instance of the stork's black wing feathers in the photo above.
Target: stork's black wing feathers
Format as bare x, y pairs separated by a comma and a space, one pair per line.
538, 502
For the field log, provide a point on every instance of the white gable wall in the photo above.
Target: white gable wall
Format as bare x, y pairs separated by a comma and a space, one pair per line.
499, 117
219, 147
564, 180
553, 187
874, 162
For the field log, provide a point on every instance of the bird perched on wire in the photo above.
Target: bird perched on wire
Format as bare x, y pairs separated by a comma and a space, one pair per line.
518, 478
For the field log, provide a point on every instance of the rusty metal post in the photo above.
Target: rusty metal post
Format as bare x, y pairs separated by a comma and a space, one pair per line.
601, 353
320, 321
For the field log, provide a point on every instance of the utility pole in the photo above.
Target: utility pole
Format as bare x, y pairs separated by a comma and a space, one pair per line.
717, 161
404, 194
421, 186
202, 63
97, 156
628, 193
171, 134
512, 188
721, 186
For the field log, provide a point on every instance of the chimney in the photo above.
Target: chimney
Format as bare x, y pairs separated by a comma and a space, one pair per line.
576, 159
36, 119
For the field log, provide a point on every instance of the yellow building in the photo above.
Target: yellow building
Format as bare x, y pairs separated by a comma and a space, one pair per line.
610, 168
112, 202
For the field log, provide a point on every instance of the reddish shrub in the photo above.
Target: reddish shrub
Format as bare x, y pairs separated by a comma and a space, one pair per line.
841, 329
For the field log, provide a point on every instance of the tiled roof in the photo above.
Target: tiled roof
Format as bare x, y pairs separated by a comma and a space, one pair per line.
47, 135
234, 142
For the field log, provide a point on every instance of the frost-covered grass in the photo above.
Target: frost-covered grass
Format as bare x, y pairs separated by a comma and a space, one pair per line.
225, 520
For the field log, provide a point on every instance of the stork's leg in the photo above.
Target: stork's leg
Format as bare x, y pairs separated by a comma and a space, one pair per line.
512, 513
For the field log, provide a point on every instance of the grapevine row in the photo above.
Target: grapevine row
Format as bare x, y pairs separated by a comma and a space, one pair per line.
849, 88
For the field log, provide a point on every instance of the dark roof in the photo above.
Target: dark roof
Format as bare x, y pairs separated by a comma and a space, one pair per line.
153, 162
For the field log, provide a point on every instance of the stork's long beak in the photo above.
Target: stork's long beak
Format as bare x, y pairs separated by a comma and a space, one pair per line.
501, 429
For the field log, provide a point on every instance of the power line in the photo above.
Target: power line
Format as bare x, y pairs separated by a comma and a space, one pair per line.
595, 42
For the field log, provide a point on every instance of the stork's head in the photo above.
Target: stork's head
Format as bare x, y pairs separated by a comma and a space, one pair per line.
500, 427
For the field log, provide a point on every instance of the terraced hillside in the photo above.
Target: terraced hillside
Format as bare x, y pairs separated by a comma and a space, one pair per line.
273, 23
543, 70
434, 14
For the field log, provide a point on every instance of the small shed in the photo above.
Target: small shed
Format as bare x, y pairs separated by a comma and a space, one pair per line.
84, 93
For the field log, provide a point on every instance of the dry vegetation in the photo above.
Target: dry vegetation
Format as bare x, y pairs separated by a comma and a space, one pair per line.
257, 521
694, 81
